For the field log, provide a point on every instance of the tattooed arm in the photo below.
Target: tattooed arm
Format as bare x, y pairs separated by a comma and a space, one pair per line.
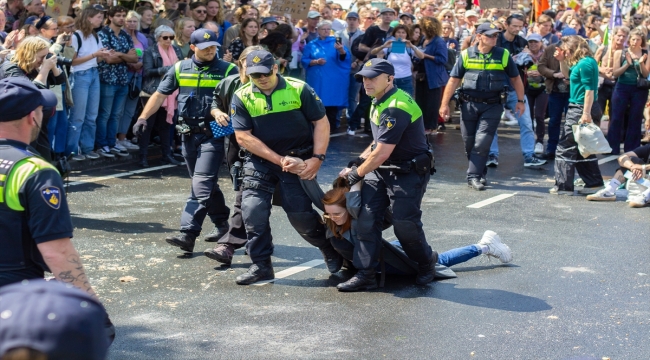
64, 262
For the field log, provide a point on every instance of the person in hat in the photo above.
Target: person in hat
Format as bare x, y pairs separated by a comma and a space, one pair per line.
193, 82
398, 162
406, 19
309, 32
256, 110
269, 23
376, 35
49, 320
35, 224
348, 37
483, 70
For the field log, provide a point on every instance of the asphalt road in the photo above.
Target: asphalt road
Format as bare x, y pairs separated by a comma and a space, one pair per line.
577, 288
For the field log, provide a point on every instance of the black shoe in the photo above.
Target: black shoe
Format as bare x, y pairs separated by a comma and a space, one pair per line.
143, 161
222, 253
259, 271
442, 127
475, 184
362, 280
185, 241
333, 259
218, 232
427, 272
169, 160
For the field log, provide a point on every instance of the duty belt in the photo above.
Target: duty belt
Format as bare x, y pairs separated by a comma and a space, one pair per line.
299, 152
468, 98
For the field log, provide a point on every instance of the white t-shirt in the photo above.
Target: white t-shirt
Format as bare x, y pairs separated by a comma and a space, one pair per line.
401, 62
89, 46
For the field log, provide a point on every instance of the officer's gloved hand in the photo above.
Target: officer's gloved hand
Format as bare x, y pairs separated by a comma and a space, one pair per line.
356, 162
353, 176
140, 127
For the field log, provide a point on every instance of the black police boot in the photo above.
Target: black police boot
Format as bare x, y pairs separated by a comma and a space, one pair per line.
333, 259
427, 272
475, 184
169, 160
222, 253
218, 232
259, 271
185, 241
362, 280
143, 161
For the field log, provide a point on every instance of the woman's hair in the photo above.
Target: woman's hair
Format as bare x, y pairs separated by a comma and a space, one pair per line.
180, 24
431, 27
241, 12
26, 51
83, 22
45, 22
577, 46
638, 32
242, 35
578, 21
62, 21
23, 353
402, 27
323, 23
141, 10
416, 26
162, 21
162, 29
134, 15
219, 18
286, 30
544, 19
624, 29
441, 15
336, 196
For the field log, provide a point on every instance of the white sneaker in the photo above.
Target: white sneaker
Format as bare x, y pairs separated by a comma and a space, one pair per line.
118, 152
105, 152
351, 132
638, 201
539, 148
511, 119
602, 195
129, 145
496, 248
119, 146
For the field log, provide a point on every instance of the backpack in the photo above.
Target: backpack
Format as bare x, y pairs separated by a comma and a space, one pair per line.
451, 59
79, 42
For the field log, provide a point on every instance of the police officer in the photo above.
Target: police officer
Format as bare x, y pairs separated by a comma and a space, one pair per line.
35, 224
484, 69
274, 117
196, 79
395, 168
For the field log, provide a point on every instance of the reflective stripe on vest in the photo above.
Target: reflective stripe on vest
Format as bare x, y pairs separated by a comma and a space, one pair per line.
282, 100
483, 62
13, 178
400, 100
194, 80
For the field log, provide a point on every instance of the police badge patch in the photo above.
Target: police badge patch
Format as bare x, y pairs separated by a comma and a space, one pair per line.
52, 196
232, 111
389, 122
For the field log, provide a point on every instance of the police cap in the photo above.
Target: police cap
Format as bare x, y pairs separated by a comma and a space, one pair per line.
58, 320
203, 38
374, 67
487, 29
259, 62
19, 97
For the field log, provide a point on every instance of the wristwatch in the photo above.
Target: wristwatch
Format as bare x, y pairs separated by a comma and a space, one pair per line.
320, 157
521, 101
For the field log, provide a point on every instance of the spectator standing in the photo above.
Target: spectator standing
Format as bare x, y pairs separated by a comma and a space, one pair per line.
242, 13
158, 59
114, 78
184, 29
198, 12
327, 14
13, 11
605, 57
85, 94
629, 65
248, 36
310, 32
536, 90
430, 85
146, 23
140, 43
3, 22
215, 13
447, 36
402, 62
348, 37
367, 19
295, 71
376, 35
325, 59
545, 29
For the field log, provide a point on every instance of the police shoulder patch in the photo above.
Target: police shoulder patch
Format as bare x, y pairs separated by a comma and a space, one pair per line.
232, 110
52, 196
389, 122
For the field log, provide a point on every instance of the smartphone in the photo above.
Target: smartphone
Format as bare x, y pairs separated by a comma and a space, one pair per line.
398, 46
66, 37
339, 40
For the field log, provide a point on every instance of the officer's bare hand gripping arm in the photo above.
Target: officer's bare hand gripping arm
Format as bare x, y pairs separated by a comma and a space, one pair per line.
64, 262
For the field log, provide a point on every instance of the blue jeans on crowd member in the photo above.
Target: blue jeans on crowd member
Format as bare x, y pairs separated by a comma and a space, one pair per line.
111, 108
81, 123
626, 95
353, 91
57, 128
558, 104
525, 128
405, 84
129, 107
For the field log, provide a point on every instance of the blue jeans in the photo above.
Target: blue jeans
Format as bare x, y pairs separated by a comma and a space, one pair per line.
111, 108
81, 123
527, 138
624, 96
129, 108
558, 104
353, 91
454, 256
57, 128
405, 84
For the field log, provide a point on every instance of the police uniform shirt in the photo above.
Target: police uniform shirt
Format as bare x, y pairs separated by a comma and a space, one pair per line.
459, 72
282, 120
396, 126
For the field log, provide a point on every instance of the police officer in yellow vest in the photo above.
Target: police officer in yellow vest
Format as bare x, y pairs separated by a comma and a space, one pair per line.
196, 79
483, 70
395, 168
35, 224
275, 117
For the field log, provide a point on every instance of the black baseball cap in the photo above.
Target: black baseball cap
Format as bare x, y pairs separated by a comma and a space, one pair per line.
203, 38
268, 20
374, 67
259, 62
56, 319
487, 29
387, 10
19, 97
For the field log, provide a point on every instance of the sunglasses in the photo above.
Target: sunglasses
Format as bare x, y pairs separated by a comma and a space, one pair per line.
448, 16
168, 37
201, 11
337, 9
371, 18
260, 75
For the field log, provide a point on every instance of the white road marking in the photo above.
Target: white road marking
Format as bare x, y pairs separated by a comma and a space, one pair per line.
292, 270
489, 201
119, 175
607, 159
